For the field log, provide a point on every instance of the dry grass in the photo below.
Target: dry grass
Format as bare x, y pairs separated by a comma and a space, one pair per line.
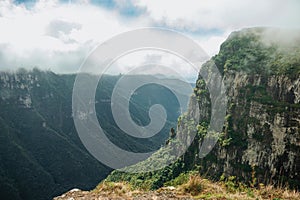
113, 189
195, 188
201, 188
269, 192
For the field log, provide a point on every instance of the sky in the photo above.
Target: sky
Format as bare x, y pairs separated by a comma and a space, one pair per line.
58, 35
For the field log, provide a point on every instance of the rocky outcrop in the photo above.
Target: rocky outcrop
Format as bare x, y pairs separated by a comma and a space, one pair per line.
261, 134
263, 126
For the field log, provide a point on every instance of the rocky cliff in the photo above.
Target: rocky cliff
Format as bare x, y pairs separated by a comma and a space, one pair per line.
261, 135
259, 142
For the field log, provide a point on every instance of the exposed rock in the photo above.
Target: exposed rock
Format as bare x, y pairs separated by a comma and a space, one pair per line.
263, 118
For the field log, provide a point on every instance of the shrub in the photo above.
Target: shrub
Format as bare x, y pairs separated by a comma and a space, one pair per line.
193, 186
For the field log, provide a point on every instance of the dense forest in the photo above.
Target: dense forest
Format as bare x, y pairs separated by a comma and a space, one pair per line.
41, 153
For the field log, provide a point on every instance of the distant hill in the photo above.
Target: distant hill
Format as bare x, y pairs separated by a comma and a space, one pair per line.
41, 155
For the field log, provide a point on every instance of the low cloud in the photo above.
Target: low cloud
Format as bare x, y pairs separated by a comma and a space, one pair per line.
58, 36
281, 37
52, 35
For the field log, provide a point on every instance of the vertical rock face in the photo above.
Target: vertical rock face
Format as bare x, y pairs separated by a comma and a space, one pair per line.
263, 123
261, 133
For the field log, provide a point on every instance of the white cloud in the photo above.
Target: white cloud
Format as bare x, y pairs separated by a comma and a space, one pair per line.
224, 14
211, 44
150, 61
53, 35
59, 36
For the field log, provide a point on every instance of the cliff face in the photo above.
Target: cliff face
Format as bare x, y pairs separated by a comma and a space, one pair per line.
262, 129
260, 139
41, 155
261, 135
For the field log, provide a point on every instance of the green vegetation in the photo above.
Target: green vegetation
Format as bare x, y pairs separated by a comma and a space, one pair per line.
247, 51
260, 66
41, 155
191, 184
39, 145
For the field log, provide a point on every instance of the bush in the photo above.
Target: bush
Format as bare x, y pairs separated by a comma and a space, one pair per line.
193, 186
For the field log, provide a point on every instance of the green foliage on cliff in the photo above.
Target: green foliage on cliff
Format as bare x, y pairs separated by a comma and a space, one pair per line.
255, 51
264, 66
